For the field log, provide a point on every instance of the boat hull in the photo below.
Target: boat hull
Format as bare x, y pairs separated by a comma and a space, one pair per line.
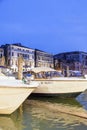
12, 97
59, 95
61, 87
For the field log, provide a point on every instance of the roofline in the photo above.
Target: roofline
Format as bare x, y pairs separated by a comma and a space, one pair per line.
15, 44
70, 52
42, 51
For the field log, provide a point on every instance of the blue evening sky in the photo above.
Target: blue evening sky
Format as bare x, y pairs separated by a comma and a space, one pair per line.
53, 26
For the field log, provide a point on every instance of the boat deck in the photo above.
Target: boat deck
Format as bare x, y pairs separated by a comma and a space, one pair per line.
6, 81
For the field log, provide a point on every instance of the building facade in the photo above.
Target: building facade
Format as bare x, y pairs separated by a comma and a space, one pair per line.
43, 59
13, 51
2, 60
1, 52
76, 60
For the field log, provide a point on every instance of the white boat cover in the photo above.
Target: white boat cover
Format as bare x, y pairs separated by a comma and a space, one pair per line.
42, 69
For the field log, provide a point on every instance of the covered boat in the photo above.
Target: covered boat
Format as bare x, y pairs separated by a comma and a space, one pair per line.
52, 83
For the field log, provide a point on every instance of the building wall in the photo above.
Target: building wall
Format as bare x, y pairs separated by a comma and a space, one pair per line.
2, 60
43, 59
14, 51
1, 52
76, 60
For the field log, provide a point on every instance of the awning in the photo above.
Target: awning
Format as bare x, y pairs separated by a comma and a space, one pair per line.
42, 69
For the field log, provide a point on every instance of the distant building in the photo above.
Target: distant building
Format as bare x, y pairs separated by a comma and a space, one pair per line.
32, 57
43, 59
1, 52
76, 60
2, 60
13, 51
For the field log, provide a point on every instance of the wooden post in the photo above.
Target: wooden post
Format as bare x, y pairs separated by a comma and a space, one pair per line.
20, 67
63, 71
67, 71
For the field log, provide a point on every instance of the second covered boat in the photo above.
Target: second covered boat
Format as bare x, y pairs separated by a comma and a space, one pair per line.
53, 84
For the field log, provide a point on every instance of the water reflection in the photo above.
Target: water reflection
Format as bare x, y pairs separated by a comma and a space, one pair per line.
82, 99
45, 118
6, 123
38, 115
11, 122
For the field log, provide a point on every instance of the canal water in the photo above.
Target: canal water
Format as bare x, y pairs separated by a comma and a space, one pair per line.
36, 114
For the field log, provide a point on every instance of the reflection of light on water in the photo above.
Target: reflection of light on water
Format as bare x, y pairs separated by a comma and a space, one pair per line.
10, 122
7, 123
42, 116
